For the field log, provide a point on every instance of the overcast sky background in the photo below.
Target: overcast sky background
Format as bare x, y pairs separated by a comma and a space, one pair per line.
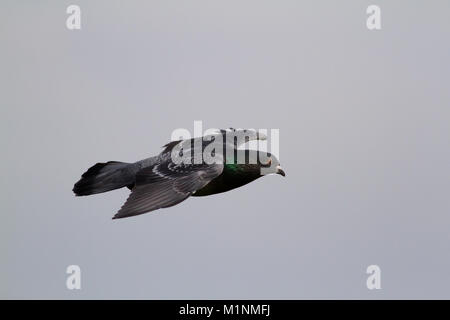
364, 140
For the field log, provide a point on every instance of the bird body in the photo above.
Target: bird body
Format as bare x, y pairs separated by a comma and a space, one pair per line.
164, 180
233, 176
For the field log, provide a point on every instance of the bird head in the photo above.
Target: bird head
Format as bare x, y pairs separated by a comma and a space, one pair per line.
269, 164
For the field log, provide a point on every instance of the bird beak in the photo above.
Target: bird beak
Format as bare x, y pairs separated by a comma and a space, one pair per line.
280, 171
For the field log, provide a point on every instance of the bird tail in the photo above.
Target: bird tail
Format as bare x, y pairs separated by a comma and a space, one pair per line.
103, 177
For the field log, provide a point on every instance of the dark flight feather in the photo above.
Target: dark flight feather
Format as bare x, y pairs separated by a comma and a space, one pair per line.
166, 184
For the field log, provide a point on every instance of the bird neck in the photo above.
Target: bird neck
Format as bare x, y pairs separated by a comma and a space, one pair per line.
243, 170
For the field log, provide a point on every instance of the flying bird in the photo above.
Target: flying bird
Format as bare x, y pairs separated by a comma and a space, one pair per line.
182, 170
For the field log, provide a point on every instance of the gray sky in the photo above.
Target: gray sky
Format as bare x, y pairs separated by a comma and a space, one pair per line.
364, 140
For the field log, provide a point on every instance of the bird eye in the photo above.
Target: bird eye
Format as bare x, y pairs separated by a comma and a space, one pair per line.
268, 163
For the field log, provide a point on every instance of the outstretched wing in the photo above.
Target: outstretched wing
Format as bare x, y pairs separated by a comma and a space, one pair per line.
166, 184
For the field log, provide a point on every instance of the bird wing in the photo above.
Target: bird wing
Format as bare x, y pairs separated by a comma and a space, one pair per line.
166, 184
232, 137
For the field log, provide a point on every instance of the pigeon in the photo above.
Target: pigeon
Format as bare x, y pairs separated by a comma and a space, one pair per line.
196, 167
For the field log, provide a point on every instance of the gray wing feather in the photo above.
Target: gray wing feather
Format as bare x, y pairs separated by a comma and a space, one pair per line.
166, 184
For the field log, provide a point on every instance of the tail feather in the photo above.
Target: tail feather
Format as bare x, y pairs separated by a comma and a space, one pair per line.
103, 177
